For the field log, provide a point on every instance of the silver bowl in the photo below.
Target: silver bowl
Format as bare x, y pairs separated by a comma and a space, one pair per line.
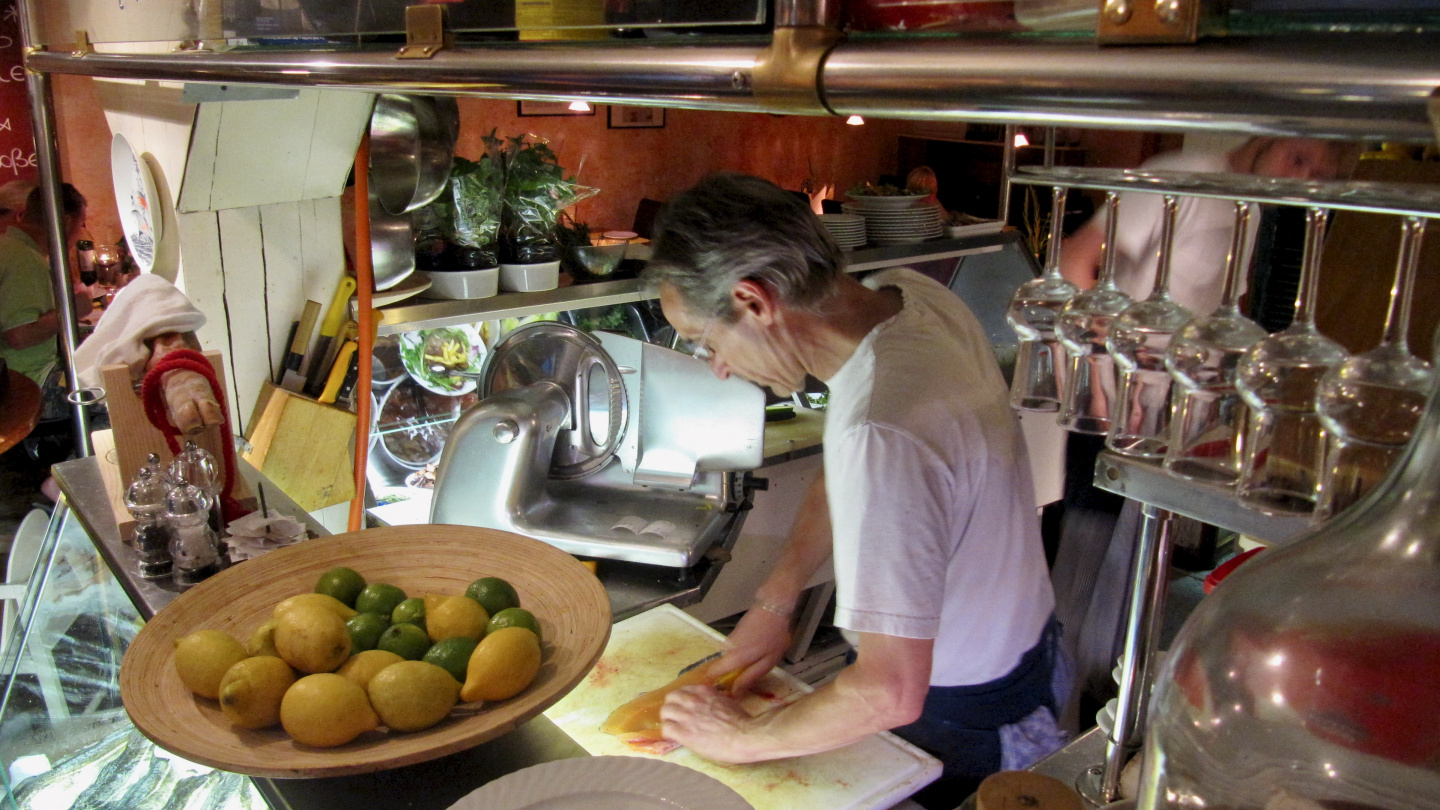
412, 144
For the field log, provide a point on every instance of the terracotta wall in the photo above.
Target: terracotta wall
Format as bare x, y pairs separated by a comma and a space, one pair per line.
85, 152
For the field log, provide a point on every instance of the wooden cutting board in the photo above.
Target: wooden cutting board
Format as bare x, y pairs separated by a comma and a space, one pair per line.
648, 650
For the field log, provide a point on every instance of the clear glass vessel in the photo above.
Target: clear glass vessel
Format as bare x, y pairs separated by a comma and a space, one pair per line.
196, 465
1370, 403
1084, 324
1039, 361
1279, 378
145, 500
194, 546
1310, 678
1138, 339
1207, 420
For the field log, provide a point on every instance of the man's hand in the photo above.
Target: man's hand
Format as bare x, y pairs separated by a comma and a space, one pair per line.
754, 647
708, 723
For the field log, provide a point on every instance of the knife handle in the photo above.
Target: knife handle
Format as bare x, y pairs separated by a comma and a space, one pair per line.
337, 371
308, 316
331, 325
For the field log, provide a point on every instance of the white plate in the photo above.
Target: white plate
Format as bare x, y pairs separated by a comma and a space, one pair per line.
604, 783
136, 201
411, 355
894, 201
411, 285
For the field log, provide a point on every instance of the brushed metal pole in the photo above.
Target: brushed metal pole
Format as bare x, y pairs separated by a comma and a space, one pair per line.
1007, 168
47, 163
1147, 608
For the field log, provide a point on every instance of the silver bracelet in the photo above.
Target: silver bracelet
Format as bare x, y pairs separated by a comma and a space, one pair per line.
771, 607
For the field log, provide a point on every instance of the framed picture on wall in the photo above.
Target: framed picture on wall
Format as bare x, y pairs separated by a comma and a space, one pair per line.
530, 109
622, 117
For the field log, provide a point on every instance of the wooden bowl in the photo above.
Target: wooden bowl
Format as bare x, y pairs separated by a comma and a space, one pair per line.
569, 601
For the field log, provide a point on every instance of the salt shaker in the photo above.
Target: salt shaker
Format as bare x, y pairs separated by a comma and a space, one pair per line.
195, 465
194, 546
145, 499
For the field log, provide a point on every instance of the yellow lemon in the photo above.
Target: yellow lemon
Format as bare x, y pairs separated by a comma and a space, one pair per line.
413, 695
505, 663
325, 710
454, 616
361, 667
202, 657
262, 641
330, 603
312, 639
251, 691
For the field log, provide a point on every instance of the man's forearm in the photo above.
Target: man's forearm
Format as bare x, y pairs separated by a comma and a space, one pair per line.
38, 331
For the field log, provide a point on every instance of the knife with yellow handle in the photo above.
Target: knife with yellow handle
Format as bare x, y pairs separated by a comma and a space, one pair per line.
337, 371
329, 328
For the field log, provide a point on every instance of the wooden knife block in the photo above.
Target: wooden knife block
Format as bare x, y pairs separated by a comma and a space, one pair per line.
303, 446
135, 438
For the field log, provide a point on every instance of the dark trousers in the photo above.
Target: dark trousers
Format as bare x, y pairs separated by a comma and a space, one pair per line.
960, 725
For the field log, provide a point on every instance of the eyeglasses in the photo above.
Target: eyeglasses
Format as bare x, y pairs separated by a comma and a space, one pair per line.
702, 350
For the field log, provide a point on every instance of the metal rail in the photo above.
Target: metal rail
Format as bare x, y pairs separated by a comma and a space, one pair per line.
1354, 86
1349, 195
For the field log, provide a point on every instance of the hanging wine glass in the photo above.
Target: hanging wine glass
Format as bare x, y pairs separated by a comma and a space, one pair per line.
1083, 326
1278, 379
1207, 423
1138, 340
1310, 678
1370, 403
1039, 365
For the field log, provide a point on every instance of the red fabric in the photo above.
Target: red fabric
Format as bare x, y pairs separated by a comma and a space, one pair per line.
153, 398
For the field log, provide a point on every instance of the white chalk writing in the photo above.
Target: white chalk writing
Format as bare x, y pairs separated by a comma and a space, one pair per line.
17, 160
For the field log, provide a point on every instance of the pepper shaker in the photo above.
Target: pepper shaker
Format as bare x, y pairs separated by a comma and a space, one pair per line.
195, 465
145, 499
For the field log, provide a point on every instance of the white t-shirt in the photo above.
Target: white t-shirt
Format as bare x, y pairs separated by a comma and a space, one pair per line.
931, 502
1203, 229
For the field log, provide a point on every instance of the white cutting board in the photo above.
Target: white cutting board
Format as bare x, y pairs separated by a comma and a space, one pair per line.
649, 650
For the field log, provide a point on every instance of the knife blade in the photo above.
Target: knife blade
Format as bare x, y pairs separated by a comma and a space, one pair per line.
292, 379
329, 328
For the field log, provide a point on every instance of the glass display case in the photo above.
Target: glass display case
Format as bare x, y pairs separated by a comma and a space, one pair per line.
65, 739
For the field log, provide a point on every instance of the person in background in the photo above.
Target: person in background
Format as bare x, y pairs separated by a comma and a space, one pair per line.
925, 506
29, 321
1202, 226
922, 180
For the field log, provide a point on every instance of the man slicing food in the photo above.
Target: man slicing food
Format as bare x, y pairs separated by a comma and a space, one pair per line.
926, 506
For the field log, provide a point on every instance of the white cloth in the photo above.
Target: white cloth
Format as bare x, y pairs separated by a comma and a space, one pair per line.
928, 481
145, 308
1203, 229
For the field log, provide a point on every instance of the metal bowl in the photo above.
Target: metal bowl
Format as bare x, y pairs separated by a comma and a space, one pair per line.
392, 245
412, 144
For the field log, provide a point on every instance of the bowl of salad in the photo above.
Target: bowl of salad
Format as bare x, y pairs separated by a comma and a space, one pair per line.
442, 360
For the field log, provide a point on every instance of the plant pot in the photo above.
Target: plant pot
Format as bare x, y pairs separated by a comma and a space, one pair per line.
463, 284
530, 277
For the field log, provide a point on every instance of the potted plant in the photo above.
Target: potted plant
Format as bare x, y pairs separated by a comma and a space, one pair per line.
535, 192
473, 226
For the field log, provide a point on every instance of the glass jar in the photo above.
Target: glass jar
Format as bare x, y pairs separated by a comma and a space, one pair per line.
194, 546
1311, 677
195, 465
145, 500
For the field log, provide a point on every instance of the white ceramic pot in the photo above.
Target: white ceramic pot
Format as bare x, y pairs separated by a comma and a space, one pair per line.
462, 284
530, 277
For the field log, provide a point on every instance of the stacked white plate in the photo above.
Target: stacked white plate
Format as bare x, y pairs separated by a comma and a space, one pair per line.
848, 229
891, 225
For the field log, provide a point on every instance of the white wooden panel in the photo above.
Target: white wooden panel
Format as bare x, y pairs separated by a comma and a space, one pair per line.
262, 151
284, 275
341, 118
242, 251
200, 167
202, 279
147, 21
320, 240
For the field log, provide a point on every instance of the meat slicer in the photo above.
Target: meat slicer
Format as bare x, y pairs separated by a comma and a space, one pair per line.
601, 445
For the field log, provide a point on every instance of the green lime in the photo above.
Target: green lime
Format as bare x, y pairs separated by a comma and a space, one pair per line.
513, 617
452, 655
494, 594
378, 597
342, 583
365, 630
411, 611
408, 641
